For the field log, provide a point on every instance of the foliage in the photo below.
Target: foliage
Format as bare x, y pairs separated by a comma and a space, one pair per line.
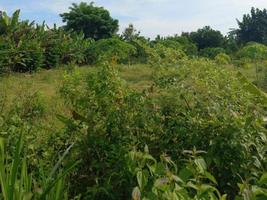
163, 180
222, 58
130, 33
256, 190
253, 52
111, 50
181, 102
253, 27
179, 42
142, 51
160, 55
95, 22
101, 115
63, 48
27, 47
211, 52
196, 104
16, 182
8, 24
206, 38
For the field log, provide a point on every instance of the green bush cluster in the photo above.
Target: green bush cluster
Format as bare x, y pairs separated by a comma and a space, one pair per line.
222, 58
110, 50
211, 52
253, 52
196, 105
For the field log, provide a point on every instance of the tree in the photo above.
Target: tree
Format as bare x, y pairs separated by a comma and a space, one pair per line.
95, 22
206, 37
253, 27
130, 33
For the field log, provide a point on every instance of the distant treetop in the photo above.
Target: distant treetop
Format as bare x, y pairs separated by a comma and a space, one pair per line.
253, 27
95, 22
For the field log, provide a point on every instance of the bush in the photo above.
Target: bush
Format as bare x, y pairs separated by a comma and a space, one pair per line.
223, 59
253, 52
142, 51
160, 55
179, 43
211, 52
197, 104
111, 50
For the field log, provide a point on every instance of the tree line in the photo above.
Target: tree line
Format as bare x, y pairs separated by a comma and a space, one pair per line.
90, 35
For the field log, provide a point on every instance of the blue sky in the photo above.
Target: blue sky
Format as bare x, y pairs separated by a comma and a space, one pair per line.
151, 17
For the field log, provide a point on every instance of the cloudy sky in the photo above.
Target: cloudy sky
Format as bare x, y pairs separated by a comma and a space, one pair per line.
151, 17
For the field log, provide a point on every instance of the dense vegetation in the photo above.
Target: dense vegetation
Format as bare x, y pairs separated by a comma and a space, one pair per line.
178, 117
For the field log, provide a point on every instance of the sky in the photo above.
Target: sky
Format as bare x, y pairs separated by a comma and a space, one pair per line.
151, 17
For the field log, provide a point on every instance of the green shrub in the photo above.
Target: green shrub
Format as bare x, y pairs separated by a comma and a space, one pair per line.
222, 58
111, 50
160, 55
164, 180
197, 104
142, 51
211, 52
253, 52
179, 43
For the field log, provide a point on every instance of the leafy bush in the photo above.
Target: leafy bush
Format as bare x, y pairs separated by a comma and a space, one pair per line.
163, 180
179, 42
253, 52
163, 56
111, 50
142, 51
197, 104
211, 52
222, 58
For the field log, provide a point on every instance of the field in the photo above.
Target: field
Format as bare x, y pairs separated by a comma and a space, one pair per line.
44, 103
87, 113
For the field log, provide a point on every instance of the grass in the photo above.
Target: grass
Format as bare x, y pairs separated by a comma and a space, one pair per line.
48, 81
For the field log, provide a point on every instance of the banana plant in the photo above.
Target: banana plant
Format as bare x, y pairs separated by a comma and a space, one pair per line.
7, 24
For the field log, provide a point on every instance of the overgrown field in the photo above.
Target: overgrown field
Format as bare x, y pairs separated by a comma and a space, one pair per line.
202, 121
90, 114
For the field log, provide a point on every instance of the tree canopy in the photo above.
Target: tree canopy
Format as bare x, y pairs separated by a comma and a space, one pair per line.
95, 22
130, 33
253, 27
206, 37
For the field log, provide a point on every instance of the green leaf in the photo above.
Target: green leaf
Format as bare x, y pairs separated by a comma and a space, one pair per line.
224, 197
210, 177
201, 165
185, 174
263, 179
142, 179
